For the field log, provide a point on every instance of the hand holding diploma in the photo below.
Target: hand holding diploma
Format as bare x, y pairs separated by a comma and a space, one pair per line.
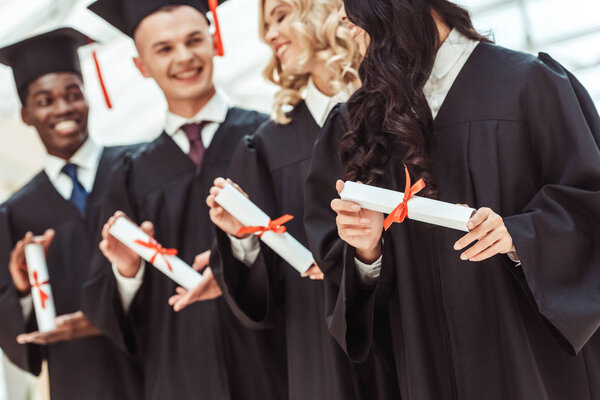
207, 289
127, 261
18, 265
68, 327
359, 227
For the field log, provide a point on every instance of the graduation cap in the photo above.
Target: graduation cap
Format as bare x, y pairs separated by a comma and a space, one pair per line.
49, 52
126, 15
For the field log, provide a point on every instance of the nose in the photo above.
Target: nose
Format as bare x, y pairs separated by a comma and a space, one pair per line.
62, 106
271, 35
183, 53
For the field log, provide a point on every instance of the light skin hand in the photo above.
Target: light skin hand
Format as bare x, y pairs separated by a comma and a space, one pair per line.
68, 327
127, 261
487, 229
360, 228
207, 289
314, 273
17, 264
221, 218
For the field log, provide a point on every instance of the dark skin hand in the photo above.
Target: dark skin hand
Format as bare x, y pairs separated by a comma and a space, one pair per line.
68, 327
56, 107
17, 264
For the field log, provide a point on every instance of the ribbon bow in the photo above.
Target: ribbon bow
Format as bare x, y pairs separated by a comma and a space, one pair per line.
159, 250
273, 226
38, 285
401, 212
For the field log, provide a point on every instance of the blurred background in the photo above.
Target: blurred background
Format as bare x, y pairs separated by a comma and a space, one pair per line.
569, 31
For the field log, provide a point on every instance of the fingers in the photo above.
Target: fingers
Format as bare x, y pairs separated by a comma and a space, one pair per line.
483, 243
201, 260
314, 273
482, 222
339, 186
340, 206
352, 220
235, 185
148, 228
491, 251
219, 182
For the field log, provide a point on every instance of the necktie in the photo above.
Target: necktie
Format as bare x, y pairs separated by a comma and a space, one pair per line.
194, 134
79, 194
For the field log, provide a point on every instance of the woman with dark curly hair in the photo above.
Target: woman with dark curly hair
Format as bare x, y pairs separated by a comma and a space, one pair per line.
509, 310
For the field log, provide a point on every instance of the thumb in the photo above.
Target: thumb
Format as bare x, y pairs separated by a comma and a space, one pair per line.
148, 228
339, 186
202, 260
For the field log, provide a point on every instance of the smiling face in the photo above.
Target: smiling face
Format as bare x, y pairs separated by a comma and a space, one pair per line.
358, 34
278, 34
176, 50
57, 109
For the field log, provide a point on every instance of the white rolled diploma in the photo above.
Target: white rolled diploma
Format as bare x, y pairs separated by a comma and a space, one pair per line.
245, 211
419, 208
127, 233
41, 292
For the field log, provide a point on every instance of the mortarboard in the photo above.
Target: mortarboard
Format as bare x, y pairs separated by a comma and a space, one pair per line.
126, 15
54, 51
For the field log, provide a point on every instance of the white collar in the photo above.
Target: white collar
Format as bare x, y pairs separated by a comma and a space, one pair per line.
450, 53
320, 104
86, 158
214, 111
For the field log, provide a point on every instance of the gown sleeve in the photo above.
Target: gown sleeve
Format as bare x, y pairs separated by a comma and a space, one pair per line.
250, 291
27, 357
100, 296
351, 308
557, 234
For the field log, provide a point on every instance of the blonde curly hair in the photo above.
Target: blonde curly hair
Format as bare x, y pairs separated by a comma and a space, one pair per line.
317, 29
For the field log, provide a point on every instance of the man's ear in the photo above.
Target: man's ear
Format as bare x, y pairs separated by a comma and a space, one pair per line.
139, 64
25, 116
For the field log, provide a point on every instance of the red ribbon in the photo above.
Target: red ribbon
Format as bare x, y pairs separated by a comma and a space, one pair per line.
100, 78
401, 212
159, 250
274, 226
219, 49
38, 285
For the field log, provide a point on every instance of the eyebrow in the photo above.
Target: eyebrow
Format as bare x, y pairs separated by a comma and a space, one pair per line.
167, 42
275, 9
42, 91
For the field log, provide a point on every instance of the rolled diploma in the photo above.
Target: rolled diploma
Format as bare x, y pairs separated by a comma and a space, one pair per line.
36, 265
245, 211
419, 208
127, 233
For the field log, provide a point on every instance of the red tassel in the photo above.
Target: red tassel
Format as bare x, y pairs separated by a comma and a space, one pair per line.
101, 79
212, 4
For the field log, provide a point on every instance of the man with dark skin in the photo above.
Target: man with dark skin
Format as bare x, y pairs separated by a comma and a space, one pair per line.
60, 205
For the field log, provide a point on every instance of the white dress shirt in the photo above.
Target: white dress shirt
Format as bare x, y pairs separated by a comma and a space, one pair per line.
449, 61
87, 158
319, 105
215, 113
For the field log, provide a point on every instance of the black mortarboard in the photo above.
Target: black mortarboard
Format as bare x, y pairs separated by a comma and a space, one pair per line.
54, 51
126, 15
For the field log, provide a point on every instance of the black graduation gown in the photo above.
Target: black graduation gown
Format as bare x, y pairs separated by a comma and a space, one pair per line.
271, 167
201, 351
89, 368
520, 135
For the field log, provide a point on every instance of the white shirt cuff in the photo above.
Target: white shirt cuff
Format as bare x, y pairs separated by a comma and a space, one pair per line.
128, 287
514, 258
26, 306
245, 250
368, 273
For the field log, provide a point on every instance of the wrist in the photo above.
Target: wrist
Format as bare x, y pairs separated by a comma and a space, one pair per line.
369, 256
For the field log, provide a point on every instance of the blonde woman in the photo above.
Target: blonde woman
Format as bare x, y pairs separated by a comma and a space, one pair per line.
314, 60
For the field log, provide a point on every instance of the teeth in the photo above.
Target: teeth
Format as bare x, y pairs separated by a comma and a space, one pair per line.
282, 49
186, 75
65, 126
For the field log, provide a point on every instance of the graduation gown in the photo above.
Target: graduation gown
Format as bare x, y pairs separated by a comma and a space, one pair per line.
201, 351
271, 167
520, 135
88, 368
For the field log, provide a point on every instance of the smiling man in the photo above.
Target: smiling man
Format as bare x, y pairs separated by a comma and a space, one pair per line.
202, 351
61, 204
